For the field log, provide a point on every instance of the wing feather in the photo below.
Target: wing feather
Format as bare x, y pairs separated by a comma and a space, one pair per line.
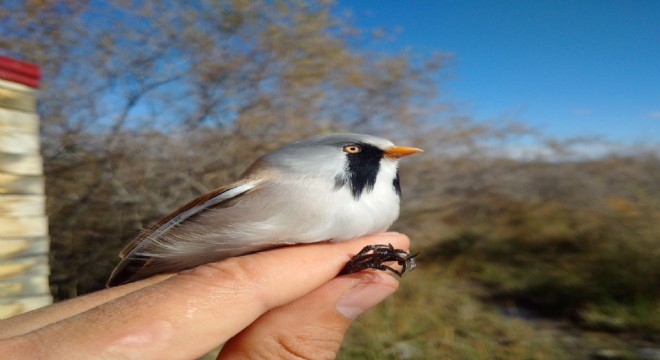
133, 268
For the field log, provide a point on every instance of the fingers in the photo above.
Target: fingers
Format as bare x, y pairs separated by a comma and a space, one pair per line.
39, 318
313, 326
192, 312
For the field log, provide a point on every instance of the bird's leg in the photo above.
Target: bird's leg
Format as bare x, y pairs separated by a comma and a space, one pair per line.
383, 267
376, 248
374, 257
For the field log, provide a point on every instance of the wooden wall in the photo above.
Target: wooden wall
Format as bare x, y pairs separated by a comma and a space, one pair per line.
24, 238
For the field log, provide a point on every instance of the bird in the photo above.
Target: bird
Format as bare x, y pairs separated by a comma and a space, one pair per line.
329, 187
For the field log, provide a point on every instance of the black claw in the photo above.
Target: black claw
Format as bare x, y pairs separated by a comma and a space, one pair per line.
373, 257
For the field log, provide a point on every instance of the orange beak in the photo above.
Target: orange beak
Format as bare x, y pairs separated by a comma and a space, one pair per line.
399, 151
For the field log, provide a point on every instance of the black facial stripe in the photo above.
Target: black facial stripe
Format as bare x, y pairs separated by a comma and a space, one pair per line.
363, 169
397, 184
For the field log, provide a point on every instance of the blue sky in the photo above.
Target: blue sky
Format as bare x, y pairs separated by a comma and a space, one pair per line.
569, 68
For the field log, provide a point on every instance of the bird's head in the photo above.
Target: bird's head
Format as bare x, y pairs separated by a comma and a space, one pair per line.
353, 160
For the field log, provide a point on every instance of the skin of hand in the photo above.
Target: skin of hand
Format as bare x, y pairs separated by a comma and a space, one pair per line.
284, 303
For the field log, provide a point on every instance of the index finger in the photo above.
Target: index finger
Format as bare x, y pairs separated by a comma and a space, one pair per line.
194, 311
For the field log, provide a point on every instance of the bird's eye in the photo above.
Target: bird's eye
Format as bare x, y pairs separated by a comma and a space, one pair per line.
352, 149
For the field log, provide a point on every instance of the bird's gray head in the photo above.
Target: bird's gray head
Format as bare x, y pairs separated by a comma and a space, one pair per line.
353, 160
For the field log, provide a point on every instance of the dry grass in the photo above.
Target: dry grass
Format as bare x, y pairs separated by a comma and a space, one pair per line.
436, 315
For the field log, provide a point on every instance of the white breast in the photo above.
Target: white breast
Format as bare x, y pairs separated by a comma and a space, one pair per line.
336, 215
375, 211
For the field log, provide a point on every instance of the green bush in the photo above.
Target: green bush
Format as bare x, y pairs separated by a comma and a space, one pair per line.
600, 268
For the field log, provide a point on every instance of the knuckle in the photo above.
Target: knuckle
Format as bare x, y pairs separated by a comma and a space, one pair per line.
238, 277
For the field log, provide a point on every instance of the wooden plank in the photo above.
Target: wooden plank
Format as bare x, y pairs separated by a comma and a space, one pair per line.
23, 226
19, 143
24, 266
12, 247
24, 286
18, 121
23, 246
21, 164
16, 96
17, 184
12, 307
16, 87
22, 205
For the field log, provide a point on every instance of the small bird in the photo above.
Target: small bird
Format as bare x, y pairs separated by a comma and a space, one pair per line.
332, 187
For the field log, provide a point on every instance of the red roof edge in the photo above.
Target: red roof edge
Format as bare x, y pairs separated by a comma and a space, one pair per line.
20, 71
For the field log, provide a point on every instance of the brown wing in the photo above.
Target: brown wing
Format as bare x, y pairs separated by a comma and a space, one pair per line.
133, 268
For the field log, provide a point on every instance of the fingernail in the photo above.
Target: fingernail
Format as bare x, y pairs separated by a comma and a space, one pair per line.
362, 298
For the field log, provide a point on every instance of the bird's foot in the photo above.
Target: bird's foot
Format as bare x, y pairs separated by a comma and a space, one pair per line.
374, 257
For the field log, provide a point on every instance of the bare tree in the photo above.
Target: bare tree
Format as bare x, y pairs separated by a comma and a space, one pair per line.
146, 104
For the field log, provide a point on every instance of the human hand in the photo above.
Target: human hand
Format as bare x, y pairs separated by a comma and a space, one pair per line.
283, 303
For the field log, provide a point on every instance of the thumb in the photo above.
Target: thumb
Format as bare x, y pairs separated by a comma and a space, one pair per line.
313, 326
